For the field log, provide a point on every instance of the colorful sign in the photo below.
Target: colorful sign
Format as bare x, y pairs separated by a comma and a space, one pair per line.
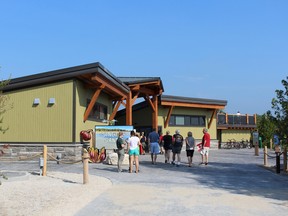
107, 135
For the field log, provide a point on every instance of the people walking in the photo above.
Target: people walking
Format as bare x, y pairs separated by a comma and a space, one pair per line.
205, 146
133, 149
177, 147
190, 145
167, 144
120, 144
153, 139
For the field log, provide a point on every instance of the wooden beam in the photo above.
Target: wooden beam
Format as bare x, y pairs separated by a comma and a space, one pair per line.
112, 116
147, 91
147, 83
135, 88
135, 97
108, 85
155, 113
92, 102
212, 118
150, 102
168, 116
129, 109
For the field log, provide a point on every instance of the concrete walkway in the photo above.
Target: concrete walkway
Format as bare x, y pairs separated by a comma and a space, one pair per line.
235, 182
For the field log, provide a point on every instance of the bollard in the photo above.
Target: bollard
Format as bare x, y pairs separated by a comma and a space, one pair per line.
256, 150
85, 166
265, 156
285, 159
277, 162
44, 160
41, 163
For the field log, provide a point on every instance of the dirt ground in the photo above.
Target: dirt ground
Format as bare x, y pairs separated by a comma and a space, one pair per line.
55, 194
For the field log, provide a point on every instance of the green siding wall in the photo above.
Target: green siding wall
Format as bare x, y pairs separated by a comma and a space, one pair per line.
197, 131
238, 135
82, 94
41, 123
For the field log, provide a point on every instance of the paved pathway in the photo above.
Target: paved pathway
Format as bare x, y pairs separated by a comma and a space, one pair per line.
234, 183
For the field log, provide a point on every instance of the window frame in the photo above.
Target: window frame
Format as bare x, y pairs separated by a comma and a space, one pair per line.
187, 120
98, 113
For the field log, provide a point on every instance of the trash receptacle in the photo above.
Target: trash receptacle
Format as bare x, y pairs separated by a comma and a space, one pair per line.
260, 142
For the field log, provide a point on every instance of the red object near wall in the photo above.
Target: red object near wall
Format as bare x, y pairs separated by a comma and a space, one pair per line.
85, 135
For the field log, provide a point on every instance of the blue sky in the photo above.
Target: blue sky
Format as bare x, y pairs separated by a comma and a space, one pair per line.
222, 49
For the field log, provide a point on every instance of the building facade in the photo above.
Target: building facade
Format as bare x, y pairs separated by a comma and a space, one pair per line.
52, 108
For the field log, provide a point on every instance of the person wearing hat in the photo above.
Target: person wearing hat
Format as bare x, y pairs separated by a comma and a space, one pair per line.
177, 147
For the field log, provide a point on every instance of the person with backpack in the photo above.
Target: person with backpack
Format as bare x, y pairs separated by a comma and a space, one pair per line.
177, 147
120, 144
167, 139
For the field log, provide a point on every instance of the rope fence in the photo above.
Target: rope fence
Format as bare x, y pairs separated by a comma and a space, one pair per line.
64, 162
278, 153
43, 162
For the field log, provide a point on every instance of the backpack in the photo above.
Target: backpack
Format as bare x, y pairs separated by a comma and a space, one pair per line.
178, 140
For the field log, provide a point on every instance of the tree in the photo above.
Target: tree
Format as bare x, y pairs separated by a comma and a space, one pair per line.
266, 125
280, 106
4, 105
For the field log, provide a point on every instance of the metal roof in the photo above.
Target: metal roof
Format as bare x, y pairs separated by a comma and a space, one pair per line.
64, 74
192, 100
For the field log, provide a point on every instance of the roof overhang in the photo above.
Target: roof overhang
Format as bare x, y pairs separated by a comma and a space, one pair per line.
176, 101
144, 86
92, 75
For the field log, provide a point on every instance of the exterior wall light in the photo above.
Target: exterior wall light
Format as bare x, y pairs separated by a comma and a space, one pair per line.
51, 101
36, 101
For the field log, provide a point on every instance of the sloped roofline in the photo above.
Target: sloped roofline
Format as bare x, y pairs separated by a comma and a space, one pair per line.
64, 74
172, 98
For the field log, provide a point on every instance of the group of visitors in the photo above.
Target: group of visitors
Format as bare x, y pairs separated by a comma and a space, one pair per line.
170, 144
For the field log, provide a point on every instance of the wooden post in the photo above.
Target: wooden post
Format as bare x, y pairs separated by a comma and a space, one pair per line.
44, 160
265, 156
85, 166
256, 149
271, 143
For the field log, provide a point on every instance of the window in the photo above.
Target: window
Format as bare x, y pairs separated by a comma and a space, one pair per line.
98, 112
187, 120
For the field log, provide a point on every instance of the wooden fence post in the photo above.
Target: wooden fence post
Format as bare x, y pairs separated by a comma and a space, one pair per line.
85, 166
44, 160
265, 156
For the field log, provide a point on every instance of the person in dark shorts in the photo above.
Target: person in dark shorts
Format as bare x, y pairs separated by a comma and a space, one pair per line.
190, 145
167, 144
177, 147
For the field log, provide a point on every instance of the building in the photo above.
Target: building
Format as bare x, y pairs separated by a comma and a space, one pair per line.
52, 108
